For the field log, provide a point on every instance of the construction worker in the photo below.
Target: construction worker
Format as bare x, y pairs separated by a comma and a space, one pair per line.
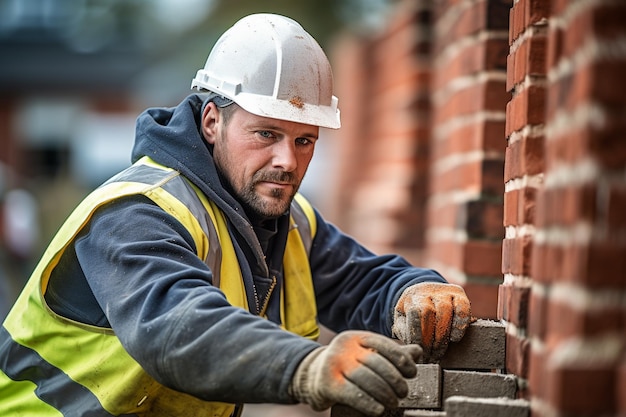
196, 280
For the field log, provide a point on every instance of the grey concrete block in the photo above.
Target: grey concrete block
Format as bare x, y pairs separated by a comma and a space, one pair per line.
340, 410
424, 413
478, 384
424, 389
482, 347
459, 406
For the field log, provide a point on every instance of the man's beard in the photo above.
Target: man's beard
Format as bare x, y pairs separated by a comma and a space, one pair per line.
262, 207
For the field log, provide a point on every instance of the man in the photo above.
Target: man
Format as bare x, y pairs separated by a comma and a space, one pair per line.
194, 281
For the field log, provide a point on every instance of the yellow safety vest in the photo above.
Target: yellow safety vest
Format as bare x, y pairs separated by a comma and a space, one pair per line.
78, 367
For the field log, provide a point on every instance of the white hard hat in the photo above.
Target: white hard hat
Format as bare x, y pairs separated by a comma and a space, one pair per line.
270, 66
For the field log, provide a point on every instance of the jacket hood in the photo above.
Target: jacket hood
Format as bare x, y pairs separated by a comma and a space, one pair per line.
172, 137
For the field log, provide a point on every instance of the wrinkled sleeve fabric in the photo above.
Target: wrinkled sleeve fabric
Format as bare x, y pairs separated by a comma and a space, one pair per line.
355, 288
156, 293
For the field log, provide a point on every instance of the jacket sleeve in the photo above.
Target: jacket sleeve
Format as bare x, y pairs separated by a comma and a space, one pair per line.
156, 293
355, 288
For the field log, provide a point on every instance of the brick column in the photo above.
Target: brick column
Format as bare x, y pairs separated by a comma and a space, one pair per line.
523, 174
465, 230
577, 312
383, 83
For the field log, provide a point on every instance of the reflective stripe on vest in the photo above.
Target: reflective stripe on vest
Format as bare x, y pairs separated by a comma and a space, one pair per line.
45, 358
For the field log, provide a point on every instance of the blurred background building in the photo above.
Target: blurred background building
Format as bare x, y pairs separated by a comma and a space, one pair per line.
485, 138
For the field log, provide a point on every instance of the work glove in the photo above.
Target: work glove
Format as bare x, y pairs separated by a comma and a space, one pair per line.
431, 314
359, 369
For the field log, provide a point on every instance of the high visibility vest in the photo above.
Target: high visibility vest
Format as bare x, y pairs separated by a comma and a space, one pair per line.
58, 366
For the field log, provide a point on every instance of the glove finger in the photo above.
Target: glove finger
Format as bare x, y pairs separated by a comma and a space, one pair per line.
384, 388
399, 357
387, 373
416, 353
462, 316
352, 395
400, 328
425, 316
443, 326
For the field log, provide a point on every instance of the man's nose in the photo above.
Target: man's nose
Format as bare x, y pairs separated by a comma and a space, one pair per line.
284, 155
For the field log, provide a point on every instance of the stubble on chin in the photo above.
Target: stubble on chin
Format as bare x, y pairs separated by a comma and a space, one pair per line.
275, 204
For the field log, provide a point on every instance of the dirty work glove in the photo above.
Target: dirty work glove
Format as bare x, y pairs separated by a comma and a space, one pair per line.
431, 314
360, 369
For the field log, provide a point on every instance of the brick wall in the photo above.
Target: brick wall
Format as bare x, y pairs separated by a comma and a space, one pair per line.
524, 172
464, 230
422, 146
383, 85
490, 145
578, 264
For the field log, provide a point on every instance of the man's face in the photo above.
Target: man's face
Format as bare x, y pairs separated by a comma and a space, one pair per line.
263, 159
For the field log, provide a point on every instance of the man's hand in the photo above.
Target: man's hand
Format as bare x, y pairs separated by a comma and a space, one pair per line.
360, 369
431, 315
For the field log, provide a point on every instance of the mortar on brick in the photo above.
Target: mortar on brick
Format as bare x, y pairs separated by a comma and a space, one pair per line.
482, 348
478, 384
424, 413
424, 388
459, 406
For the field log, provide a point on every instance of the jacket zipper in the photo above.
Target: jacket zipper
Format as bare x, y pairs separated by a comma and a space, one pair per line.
267, 298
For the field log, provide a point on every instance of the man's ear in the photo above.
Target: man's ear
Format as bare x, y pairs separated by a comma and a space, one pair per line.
210, 120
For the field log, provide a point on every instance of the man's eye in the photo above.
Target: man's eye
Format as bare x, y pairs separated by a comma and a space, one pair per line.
265, 134
304, 141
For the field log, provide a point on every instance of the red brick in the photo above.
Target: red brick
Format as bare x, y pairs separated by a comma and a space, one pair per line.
485, 135
483, 219
544, 258
513, 304
512, 162
536, 11
620, 388
603, 21
569, 206
529, 59
616, 220
524, 157
447, 252
497, 13
558, 7
485, 176
604, 266
511, 207
489, 95
492, 135
482, 257
607, 144
516, 21
537, 317
538, 383
492, 183
462, 177
525, 108
594, 81
484, 299
519, 206
517, 355
517, 255
555, 46
445, 216
510, 71
565, 321
489, 55
480, 15
582, 391
533, 155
